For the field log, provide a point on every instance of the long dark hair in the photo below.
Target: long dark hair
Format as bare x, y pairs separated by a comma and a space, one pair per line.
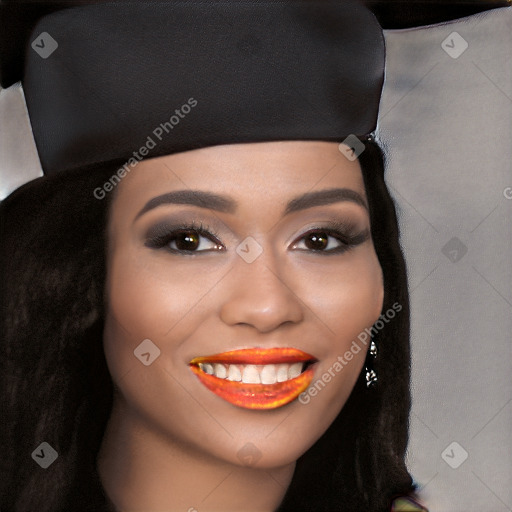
57, 388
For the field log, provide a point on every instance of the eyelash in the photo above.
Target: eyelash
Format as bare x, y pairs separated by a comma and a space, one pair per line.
163, 235
347, 234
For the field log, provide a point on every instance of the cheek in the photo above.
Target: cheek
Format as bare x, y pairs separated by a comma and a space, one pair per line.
147, 300
153, 298
144, 305
349, 297
344, 303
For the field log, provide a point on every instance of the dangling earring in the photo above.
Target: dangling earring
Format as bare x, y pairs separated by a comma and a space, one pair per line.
371, 374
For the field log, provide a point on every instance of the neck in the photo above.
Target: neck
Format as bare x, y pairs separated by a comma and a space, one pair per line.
141, 469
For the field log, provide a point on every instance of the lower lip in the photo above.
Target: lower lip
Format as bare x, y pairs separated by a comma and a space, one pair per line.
256, 396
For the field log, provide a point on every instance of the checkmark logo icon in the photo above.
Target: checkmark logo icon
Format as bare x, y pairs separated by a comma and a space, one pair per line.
454, 455
44, 45
454, 45
45, 455
249, 249
351, 147
146, 352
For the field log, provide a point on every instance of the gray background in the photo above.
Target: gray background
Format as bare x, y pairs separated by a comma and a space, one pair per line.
446, 125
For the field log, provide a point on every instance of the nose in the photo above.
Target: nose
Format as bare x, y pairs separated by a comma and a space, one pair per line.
259, 296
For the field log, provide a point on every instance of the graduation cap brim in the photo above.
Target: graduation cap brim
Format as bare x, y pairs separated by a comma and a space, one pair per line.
18, 18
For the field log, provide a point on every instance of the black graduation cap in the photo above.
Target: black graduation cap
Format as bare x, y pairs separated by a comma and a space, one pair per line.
105, 79
18, 17
214, 73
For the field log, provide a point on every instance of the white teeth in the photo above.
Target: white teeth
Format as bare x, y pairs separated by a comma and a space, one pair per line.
207, 368
234, 373
251, 375
220, 371
268, 374
295, 370
282, 372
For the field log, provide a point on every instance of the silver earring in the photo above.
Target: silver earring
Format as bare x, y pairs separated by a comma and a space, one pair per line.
371, 374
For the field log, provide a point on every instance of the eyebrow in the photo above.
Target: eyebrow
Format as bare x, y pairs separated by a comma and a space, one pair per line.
322, 197
226, 204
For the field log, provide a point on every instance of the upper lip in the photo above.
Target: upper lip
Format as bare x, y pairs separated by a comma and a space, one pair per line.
256, 356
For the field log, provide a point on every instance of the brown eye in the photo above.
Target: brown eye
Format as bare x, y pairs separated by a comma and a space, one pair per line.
332, 240
316, 241
188, 241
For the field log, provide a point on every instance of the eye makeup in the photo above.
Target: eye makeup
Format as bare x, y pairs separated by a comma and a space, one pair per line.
346, 233
317, 239
161, 235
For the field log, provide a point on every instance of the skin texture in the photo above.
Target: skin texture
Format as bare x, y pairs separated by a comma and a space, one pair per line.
171, 444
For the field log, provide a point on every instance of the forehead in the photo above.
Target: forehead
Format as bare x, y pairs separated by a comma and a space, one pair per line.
256, 174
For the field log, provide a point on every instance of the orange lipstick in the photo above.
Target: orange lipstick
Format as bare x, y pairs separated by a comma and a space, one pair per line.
256, 378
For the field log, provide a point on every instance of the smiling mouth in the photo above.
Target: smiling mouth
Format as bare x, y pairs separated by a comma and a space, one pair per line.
256, 378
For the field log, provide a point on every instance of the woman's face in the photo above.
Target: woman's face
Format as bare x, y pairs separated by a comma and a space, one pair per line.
248, 246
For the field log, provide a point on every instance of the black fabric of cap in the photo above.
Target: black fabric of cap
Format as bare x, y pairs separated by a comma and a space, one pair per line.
179, 75
18, 17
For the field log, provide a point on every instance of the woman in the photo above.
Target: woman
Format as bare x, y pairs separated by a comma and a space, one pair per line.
177, 320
